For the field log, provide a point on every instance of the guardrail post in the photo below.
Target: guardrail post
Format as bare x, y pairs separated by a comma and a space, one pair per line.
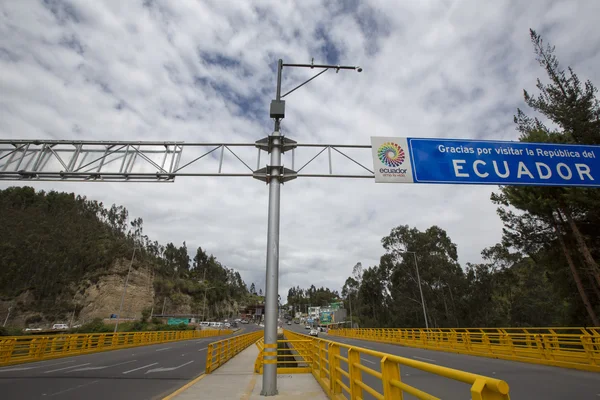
390, 371
588, 345
334, 364
355, 373
322, 361
209, 356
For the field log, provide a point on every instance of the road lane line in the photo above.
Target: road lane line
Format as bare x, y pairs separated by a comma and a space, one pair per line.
37, 366
137, 369
165, 348
204, 348
73, 388
17, 369
101, 367
369, 361
423, 358
168, 369
72, 366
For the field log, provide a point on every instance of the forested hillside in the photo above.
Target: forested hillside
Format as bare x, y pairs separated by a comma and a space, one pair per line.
545, 272
55, 247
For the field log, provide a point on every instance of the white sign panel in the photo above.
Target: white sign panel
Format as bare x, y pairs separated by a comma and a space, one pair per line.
391, 160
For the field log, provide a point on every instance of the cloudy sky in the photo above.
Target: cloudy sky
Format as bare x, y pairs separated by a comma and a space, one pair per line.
204, 71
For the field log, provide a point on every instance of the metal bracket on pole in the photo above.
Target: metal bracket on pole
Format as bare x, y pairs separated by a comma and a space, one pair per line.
266, 174
266, 144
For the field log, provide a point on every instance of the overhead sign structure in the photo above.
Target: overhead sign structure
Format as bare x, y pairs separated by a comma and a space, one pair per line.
482, 162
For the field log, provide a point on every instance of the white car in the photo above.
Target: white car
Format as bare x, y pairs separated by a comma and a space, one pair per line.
314, 332
307, 327
58, 327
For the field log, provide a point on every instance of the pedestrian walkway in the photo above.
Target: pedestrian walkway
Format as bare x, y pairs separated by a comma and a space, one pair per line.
236, 380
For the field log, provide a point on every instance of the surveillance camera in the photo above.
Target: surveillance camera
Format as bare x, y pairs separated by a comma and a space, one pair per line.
358, 69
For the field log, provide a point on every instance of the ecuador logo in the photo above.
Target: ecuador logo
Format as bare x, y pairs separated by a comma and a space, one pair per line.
391, 154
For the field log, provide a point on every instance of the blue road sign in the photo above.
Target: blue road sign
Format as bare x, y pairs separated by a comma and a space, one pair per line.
480, 162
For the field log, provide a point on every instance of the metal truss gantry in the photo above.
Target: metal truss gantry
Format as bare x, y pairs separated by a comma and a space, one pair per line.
147, 161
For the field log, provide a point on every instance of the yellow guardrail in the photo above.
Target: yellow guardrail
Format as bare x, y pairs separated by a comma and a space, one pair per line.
342, 377
291, 357
223, 350
577, 348
21, 349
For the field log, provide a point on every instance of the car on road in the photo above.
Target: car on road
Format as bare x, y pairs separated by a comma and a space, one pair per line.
289, 322
60, 327
307, 327
314, 332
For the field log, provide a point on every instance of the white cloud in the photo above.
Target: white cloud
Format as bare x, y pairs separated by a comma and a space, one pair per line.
204, 71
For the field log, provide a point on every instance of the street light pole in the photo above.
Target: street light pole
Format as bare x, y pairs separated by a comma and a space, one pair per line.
350, 303
269, 387
420, 288
275, 176
205, 290
7, 315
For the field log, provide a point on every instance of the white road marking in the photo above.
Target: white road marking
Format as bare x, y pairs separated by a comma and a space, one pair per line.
204, 348
17, 369
68, 390
168, 369
369, 361
164, 348
137, 369
423, 358
62, 369
97, 368
38, 366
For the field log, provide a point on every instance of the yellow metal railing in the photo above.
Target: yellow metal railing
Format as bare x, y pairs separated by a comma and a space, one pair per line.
21, 349
292, 356
342, 377
223, 350
577, 348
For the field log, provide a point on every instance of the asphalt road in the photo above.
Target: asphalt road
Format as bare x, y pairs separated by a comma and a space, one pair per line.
526, 381
139, 373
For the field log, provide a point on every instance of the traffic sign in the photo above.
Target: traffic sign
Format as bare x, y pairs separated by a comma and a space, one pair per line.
483, 162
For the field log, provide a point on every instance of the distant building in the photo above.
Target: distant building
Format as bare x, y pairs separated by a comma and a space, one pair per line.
253, 313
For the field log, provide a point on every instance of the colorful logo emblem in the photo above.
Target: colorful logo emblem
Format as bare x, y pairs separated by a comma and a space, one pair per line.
391, 154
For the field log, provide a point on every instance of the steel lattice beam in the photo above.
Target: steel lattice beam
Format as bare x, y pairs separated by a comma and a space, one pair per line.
152, 161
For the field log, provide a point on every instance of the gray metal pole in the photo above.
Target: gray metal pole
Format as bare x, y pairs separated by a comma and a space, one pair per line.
7, 315
269, 387
124, 290
350, 303
205, 290
421, 290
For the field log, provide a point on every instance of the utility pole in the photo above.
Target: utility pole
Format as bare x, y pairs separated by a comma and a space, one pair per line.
350, 304
420, 288
124, 290
275, 175
7, 315
205, 290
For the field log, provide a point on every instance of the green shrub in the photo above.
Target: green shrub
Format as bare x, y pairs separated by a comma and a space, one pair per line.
10, 331
94, 326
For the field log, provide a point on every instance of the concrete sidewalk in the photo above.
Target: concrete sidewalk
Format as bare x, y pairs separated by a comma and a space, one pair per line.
236, 380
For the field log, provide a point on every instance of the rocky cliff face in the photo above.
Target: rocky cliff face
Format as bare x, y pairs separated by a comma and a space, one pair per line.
102, 298
97, 297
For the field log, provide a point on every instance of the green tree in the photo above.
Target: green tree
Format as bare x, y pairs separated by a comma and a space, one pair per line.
566, 217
